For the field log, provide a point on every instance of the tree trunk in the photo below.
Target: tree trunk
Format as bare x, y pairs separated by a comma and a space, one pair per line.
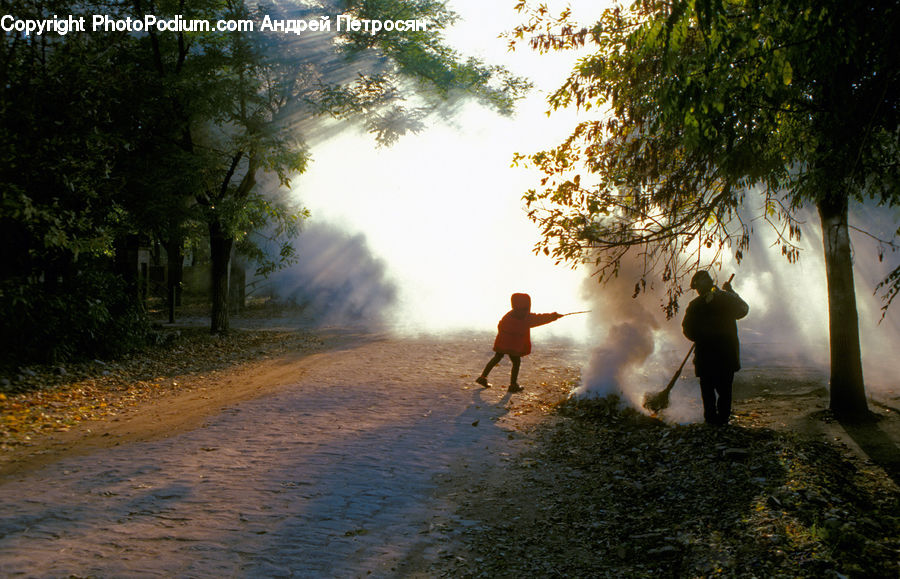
220, 244
174, 279
848, 394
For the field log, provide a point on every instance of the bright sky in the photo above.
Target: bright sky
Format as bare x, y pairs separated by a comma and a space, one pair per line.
443, 211
443, 208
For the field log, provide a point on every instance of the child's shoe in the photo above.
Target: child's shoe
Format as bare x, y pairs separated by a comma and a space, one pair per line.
513, 388
482, 381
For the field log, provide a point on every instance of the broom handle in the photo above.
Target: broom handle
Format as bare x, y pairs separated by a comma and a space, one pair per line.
683, 362
680, 368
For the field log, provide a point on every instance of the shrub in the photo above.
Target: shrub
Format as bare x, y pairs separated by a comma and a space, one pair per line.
91, 316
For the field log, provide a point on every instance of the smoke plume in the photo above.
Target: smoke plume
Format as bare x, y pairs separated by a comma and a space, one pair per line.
336, 280
631, 335
787, 328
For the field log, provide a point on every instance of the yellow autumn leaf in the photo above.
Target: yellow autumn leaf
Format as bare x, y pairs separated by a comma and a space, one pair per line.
787, 73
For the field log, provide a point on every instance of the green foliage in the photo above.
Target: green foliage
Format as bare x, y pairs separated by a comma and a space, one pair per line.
96, 134
702, 102
91, 316
173, 135
68, 130
63, 134
437, 72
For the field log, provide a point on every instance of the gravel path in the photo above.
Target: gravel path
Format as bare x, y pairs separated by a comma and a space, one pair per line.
342, 471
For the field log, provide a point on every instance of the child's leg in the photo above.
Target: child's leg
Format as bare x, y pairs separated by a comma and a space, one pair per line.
491, 363
514, 373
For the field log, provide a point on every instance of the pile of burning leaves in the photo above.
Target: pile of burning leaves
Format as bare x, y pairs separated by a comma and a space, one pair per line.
37, 400
609, 492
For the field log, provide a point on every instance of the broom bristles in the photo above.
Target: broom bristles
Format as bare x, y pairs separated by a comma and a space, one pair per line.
657, 402
660, 401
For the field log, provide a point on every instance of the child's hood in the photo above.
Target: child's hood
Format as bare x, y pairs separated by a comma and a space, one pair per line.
521, 302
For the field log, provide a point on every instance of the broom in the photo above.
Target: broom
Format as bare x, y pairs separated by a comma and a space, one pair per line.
660, 401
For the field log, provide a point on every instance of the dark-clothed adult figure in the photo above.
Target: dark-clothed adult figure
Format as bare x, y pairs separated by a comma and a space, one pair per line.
710, 322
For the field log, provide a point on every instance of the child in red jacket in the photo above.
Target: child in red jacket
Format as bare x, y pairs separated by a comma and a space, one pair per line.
514, 338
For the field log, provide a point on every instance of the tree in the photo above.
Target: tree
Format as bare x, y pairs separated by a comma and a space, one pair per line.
708, 101
66, 117
221, 130
243, 100
108, 134
97, 147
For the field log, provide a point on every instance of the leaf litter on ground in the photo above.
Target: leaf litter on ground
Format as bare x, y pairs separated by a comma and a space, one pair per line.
610, 492
604, 492
40, 399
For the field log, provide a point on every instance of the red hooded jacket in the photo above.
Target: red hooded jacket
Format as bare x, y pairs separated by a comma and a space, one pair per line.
514, 329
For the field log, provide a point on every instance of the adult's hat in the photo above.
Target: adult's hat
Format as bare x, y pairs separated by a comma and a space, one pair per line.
700, 278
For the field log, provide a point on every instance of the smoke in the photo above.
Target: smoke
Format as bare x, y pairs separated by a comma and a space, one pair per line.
627, 346
786, 329
443, 211
435, 239
637, 349
788, 321
336, 280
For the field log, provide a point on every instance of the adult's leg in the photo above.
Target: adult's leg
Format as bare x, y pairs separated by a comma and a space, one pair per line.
724, 388
708, 393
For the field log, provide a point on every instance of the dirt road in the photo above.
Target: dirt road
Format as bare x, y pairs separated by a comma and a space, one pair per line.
343, 463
